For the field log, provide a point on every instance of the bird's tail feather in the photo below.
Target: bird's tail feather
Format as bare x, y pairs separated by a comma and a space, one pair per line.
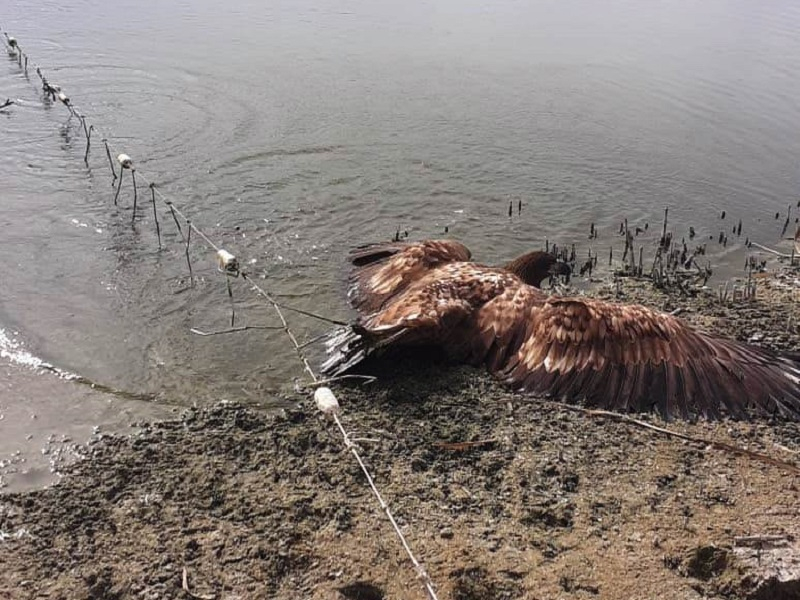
369, 254
347, 346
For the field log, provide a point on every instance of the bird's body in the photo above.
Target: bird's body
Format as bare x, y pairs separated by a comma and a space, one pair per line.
621, 357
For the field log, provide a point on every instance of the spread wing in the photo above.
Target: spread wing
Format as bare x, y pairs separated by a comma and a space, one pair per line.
625, 357
382, 271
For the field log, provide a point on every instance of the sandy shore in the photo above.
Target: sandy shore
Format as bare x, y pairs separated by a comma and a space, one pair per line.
548, 502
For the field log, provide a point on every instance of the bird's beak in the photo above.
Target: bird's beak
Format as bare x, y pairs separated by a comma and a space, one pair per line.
560, 268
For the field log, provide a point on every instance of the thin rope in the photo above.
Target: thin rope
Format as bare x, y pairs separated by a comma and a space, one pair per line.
349, 444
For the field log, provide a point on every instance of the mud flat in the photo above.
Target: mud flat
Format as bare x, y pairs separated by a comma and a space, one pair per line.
544, 502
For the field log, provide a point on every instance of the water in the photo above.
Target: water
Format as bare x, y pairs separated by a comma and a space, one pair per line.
292, 132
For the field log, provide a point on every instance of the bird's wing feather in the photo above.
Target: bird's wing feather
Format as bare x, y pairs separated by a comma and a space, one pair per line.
628, 357
382, 271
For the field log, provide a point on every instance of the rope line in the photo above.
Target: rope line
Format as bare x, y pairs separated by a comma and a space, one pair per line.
56, 92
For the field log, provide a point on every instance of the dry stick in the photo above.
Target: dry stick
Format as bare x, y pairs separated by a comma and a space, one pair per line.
110, 162
699, 440
155, 214
185, 587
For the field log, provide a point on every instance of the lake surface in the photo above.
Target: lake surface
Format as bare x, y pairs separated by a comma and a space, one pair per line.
291, 131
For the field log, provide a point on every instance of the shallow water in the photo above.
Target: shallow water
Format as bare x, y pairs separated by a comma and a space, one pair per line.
291, 132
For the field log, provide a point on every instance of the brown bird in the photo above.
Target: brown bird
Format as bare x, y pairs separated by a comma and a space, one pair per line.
615, 356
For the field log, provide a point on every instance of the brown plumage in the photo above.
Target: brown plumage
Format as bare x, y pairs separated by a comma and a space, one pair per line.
615, 356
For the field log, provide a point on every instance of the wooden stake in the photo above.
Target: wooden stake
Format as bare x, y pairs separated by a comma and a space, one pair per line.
110, 162
189, 260
175, 218
155, 213
88, 132
135, 196
230, 296
119, 185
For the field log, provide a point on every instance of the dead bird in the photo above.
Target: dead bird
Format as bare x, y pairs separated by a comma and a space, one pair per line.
617, 356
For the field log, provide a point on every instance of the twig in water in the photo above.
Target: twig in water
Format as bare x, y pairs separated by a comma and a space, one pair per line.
88, 132
7, 103
155, 213
230, 297
314, 340
175, 218
188, 258
313, 315
234, 329
110, 162
135, 197
119, 185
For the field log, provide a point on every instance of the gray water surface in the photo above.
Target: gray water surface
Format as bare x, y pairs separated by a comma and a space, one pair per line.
291, 131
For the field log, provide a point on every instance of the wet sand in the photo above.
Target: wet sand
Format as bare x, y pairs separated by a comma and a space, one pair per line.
46, 421
549, 502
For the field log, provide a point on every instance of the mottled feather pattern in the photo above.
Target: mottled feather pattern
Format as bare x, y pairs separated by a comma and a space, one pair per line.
621, 357
383, 270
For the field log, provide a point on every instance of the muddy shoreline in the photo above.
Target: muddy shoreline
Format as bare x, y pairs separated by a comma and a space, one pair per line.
547, 502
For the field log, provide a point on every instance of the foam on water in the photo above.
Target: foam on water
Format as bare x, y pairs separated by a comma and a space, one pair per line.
13, 350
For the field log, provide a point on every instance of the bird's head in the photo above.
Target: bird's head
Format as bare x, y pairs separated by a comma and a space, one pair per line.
535, 267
